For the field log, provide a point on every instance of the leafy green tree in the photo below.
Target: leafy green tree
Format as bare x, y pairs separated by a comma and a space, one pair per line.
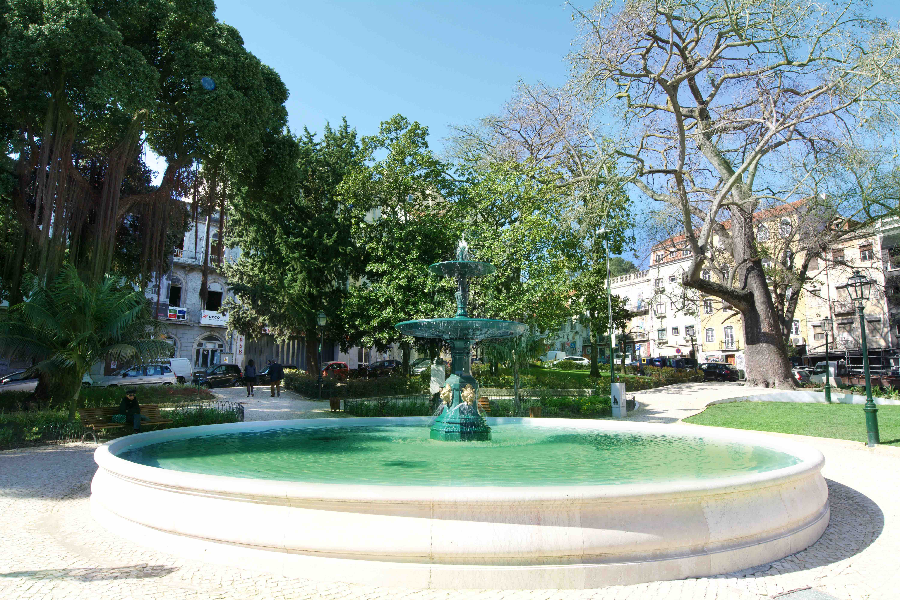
591, 304
403, 220
294, 231
69, 325
516, 219
86, 87
619, 266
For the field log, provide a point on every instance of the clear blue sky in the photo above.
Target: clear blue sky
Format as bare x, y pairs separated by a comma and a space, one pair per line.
438, 63
435, 62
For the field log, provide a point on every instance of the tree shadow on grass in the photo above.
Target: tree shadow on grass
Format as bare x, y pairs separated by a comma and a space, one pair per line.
142, 571
856, 521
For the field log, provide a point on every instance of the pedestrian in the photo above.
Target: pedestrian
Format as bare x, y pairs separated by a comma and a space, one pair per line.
250, 377
130, 410
276, 374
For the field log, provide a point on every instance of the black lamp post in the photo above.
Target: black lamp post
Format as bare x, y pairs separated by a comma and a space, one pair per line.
826, 325
859, 287
321, 320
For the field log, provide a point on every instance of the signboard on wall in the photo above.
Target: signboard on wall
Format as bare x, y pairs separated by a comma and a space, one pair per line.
217, 319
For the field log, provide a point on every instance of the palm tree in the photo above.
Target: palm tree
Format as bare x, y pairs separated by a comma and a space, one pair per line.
69, 325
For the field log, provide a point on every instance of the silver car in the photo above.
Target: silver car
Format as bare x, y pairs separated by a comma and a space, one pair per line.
142, 375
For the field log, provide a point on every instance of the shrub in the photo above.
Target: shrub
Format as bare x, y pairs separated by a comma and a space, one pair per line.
147, 394
395, 385
570, 365
206, 414
408, 406
29, 428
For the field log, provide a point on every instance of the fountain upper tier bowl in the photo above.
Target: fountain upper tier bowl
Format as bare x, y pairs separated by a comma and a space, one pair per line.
549, 503
462, 328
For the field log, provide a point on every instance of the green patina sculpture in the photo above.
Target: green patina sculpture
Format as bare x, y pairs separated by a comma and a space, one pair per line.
460, 418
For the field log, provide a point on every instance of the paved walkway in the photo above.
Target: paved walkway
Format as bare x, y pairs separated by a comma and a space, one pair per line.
50, 547
263, 407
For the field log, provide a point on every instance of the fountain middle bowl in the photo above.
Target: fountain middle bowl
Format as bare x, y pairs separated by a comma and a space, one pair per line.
542, 533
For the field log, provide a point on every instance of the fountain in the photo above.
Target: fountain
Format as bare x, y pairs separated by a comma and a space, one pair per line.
461, 419
525, 503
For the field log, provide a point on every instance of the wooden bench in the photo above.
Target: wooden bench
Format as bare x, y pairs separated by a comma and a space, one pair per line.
484, 405
100, 419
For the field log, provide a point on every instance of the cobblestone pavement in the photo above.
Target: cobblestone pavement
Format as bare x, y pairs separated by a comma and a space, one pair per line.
50, 547
263, 407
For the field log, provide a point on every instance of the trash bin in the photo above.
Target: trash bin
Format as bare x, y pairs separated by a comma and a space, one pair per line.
619, 408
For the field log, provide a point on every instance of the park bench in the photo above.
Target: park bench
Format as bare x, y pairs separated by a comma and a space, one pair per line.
95, 420
484, 405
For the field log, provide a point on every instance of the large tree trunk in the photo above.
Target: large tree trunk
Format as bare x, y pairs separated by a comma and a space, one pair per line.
595, 352
767, 363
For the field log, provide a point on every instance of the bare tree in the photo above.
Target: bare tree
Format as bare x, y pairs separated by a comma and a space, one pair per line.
715, 94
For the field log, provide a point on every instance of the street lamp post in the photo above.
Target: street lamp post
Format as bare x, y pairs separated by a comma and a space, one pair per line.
609, 327
321, 320
858, 286
826, 325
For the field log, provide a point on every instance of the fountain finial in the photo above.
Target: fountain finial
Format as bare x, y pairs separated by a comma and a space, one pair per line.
462, 250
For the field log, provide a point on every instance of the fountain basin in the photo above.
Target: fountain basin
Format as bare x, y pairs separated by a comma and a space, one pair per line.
515, 535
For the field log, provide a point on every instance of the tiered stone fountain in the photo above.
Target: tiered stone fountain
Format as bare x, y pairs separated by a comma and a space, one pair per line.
460, 418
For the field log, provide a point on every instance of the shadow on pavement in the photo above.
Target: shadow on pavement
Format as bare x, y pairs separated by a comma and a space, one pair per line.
95, 574
856, 521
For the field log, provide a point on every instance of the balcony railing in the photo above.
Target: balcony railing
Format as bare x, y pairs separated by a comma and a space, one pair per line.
729, 345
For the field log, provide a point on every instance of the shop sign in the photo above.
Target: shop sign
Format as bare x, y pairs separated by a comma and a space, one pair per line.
216, 319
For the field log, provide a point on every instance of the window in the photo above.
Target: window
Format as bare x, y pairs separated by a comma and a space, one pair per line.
837, 255
175, 294
659, 284
767, 263
894, 257
865, 252
686, 252
213, 300
784, 228
660, 257
661, 308
689, 331
660, 334
214, 247
672, 278
154, 370
675, 331
708, 307
819, 336
729, 337
788, 258
762, 233
795, 328
179, 248
710, 334
705, 274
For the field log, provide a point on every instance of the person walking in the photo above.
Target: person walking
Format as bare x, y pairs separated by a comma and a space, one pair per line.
276, 374
250, 377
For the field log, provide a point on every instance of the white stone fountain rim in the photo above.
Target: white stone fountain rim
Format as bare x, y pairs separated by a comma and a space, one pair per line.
285, 492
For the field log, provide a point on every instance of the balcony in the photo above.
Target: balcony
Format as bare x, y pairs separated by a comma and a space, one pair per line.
638, 336
730, 345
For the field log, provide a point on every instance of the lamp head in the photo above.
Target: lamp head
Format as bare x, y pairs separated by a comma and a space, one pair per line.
859, 287
321, 319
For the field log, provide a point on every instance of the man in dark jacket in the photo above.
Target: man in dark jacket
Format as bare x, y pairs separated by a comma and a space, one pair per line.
131, 409
276, 374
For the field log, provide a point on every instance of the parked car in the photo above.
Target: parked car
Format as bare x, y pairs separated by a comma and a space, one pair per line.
657, 361
262, 377
422, 365
578, 360
553, 356
720, 372
158, 374
838, 373
336, 369
226, 375
20, 381
800, 374
383, 368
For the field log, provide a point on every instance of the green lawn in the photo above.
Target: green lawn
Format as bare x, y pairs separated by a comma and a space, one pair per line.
840, 421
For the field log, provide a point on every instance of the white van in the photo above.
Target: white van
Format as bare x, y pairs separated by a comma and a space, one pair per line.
553, 355
182, 369
837, 371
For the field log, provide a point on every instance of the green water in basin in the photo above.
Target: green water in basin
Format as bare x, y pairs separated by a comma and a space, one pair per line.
405, 455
